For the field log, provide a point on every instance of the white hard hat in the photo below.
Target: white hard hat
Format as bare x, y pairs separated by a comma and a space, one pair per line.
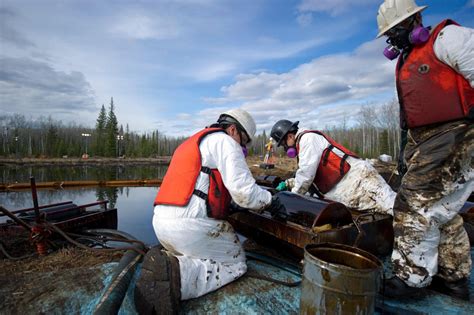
243, 118
392, 12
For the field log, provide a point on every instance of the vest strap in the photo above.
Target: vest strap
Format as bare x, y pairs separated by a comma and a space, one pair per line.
209, 172
200, 194
343, 160
314, 189
326, 155
205, 197
205, 169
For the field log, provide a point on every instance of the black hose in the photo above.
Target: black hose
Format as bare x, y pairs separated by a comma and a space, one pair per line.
113, 297
7, 255
63, 234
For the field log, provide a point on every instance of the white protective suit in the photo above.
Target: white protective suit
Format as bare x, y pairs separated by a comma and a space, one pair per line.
361, 188
455, 47
209, 252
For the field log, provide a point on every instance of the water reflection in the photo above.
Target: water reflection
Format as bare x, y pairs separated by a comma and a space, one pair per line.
134, 205
22, 173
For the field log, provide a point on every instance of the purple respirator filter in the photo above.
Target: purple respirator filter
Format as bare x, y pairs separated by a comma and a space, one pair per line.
245, 151
291, 152
391, 52
419, 35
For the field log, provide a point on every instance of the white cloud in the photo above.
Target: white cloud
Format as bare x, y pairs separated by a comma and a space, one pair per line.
333, 7
333, 83
34, 87
141, 25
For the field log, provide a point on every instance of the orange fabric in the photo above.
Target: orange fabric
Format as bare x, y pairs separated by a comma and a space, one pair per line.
429, 90
331, 168
179, 182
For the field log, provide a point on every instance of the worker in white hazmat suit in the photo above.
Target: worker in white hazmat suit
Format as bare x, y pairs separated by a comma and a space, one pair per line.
328, 169
435, 86
203, 253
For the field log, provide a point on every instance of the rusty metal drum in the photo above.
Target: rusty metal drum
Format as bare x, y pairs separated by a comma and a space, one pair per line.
339, 279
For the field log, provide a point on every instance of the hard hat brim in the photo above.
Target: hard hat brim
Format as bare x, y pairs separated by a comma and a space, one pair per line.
293, 125
400, 19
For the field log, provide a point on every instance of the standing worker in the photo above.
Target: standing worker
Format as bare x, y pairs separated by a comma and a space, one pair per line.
330, 170
203, 253
268, 159
435, 80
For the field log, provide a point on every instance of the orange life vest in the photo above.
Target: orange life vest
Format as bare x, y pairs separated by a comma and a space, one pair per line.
179, 182
332, 167
430, 91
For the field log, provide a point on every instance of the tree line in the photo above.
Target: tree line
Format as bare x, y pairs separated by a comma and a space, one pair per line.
375, 132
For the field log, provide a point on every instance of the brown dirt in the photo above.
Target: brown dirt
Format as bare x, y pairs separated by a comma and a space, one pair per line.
284, 167
66, 258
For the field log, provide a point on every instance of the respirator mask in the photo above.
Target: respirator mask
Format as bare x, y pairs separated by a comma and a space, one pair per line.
290, 151
400, 38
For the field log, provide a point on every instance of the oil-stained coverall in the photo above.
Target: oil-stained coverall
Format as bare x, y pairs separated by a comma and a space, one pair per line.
429, 235
361, 188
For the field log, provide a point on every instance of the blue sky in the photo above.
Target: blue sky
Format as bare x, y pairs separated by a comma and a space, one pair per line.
174, 65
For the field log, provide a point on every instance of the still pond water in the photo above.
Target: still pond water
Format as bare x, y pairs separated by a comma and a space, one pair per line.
134, 204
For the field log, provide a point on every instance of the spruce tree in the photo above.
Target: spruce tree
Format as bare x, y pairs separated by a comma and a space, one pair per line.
100, 132
111, 128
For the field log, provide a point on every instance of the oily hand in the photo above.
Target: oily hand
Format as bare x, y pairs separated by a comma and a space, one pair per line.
277, 209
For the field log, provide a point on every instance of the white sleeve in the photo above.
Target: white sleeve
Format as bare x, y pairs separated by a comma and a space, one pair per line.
311, 150
454, 46
237, 178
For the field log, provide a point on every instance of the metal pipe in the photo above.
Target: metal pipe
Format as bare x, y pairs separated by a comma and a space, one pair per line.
34, 195
40, 207
14, 218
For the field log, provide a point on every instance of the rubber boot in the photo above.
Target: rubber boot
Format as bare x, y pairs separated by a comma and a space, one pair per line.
458, 289
397, 288
158, 289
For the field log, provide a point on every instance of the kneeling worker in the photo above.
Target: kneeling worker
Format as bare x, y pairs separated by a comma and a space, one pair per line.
332, 171
203, 253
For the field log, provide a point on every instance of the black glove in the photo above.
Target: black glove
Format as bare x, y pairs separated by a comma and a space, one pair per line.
233, 207
277, 209
402, 167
